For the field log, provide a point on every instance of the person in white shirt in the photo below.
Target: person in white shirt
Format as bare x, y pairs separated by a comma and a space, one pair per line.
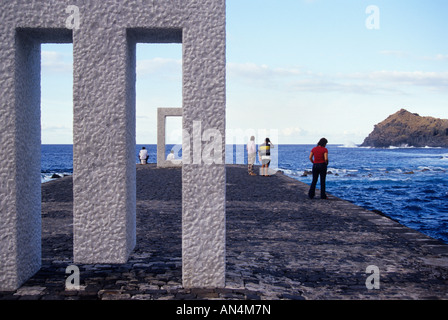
143, 155
170, 156
251, 153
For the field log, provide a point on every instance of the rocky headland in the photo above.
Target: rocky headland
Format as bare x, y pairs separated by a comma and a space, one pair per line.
404, 128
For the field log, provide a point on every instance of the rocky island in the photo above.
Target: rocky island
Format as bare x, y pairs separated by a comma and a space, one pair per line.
404, 128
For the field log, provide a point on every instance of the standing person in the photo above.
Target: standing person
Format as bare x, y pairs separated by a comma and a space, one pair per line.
143, 155
170, 156
251, 152
264, 155
319, 158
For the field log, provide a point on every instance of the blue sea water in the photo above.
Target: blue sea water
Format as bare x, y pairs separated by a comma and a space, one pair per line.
409, 185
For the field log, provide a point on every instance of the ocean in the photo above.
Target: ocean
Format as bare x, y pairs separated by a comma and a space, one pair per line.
410, 185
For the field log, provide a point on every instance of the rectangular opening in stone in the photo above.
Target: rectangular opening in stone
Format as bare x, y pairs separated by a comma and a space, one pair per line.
57, 148
159, 84
159, 192
56, 110
173, 138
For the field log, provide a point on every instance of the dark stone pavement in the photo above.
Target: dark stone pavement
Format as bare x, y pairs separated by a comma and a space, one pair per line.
280, 246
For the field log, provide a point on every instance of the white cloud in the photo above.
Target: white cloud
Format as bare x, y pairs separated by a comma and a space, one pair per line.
262, 76
160, 66
377, 82
55, 62
431, 80
252, 70
56, 134
291, 131
442, 57
56, 127
403, 54
437, 57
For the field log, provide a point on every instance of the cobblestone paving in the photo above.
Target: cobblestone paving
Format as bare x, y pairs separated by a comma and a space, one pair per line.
280, 245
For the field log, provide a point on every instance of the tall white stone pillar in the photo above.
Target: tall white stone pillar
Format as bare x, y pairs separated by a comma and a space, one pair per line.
104, 190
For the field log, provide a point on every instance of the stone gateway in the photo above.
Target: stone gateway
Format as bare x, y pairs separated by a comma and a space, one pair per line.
104, 36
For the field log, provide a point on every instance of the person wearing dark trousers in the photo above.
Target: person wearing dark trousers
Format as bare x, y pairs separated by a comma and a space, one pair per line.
264, 154
319, 158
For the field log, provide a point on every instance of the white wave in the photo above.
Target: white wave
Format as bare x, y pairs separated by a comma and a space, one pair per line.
406, 146
348, 144
45, 177
401, 146
431, 169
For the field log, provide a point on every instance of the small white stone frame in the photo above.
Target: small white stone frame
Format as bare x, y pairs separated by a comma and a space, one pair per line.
162, 114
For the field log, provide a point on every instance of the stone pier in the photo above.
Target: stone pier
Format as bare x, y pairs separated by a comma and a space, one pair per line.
280, 245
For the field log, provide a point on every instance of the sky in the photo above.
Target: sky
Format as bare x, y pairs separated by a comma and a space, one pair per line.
297, 70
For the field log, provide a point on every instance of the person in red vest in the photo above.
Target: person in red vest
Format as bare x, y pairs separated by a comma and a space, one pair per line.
319, 158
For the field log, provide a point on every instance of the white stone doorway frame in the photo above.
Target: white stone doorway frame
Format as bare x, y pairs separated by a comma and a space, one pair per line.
162, 114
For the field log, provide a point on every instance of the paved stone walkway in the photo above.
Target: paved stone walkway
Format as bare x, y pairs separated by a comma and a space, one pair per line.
280, 245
